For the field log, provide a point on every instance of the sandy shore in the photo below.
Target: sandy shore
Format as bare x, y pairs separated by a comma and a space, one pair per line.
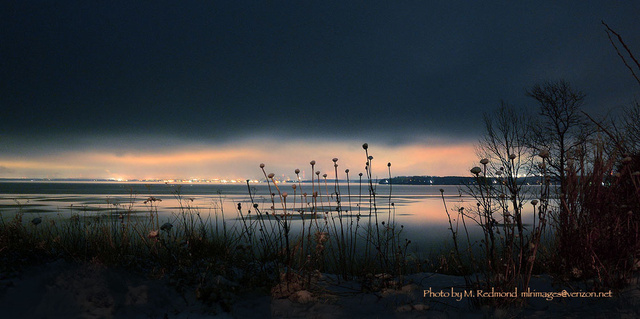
62, 289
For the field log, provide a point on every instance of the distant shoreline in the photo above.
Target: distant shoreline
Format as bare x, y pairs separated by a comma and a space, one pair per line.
451, 180
398, 180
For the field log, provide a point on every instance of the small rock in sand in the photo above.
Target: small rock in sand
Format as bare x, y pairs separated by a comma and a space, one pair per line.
404, 308
420, 307
302, 296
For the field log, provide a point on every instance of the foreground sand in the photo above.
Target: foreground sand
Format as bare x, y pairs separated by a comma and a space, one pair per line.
62, 289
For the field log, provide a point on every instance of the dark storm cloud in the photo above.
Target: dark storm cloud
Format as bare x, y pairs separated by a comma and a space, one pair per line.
211, 71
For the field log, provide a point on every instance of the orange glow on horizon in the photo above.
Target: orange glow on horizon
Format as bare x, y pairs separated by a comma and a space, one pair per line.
181, 157
241, 160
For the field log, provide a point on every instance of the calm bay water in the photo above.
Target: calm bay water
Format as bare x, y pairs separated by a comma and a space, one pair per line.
418, 208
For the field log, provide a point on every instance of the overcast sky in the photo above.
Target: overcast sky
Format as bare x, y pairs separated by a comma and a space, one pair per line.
207, 89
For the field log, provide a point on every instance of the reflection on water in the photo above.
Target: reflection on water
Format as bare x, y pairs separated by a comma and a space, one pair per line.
417, 208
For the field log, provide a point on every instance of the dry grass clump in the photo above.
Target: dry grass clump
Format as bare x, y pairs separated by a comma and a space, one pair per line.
185, 250
598, 228
344, 234
504, 257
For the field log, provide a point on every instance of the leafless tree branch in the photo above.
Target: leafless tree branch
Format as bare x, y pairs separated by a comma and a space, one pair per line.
626, 48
